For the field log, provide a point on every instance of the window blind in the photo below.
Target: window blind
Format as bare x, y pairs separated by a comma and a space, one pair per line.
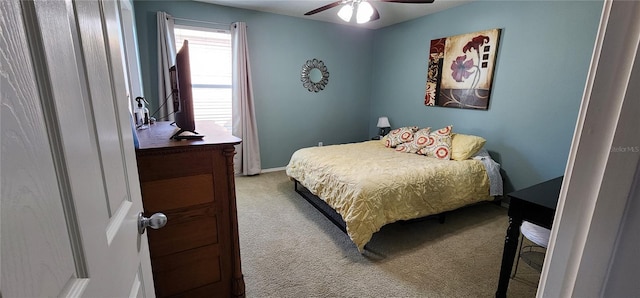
210, 61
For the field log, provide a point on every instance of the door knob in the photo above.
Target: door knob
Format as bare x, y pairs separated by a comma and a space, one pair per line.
156, 221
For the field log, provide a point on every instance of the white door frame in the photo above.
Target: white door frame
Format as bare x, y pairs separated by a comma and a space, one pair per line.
130, 52
604, 157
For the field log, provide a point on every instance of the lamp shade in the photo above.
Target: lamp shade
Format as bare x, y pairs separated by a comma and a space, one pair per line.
364, 13
346, 12
383, 122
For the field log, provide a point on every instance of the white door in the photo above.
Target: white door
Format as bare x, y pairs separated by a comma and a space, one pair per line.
70, 190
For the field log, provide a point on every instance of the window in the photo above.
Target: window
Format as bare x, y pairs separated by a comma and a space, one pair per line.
210, 61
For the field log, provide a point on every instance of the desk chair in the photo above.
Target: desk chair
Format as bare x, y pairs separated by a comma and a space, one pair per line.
534, 254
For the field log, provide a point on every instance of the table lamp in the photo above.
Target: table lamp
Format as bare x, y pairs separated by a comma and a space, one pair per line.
384, 126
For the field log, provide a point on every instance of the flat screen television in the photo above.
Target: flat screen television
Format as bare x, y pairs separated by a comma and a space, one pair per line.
182, 96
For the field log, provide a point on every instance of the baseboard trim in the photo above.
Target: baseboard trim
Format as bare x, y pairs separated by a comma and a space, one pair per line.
273, 170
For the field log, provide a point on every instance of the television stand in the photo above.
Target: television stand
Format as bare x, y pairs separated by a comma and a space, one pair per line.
187, 135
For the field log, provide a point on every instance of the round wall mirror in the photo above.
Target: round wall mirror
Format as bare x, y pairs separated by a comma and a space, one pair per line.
314, 75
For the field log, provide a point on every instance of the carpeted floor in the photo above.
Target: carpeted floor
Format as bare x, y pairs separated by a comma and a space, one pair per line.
289, 249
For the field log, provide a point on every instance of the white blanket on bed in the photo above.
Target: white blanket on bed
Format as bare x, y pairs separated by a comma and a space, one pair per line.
493, 170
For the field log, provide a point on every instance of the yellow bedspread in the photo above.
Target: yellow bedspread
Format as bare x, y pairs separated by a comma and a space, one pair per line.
371, 185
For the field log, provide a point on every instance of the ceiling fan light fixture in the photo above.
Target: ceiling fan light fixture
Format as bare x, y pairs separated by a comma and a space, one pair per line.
364, 13
346, 12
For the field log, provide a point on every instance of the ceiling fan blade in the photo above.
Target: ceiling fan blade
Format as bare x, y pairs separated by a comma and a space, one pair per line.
408, 1
323, 8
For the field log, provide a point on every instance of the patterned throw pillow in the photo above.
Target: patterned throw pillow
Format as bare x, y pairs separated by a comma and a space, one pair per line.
420, 140
400, 135
439, 144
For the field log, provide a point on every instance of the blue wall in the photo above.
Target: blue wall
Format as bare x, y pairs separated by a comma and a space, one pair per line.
542, 64
543, 59
289, 117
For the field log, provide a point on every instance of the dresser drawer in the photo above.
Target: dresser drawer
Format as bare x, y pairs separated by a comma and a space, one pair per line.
178, 273
185, 229
181, 163
166, 194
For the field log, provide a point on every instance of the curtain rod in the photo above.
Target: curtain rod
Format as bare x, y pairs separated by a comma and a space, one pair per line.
198, 21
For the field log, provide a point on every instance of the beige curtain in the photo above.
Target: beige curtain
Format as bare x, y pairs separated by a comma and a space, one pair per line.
244, 126
166, 59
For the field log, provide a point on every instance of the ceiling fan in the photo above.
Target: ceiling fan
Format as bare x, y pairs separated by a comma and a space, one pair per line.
365, 12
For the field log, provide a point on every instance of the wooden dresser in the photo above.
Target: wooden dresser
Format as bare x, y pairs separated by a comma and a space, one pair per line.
197, 253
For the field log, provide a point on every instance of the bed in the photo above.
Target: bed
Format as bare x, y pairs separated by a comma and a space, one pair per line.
370, 185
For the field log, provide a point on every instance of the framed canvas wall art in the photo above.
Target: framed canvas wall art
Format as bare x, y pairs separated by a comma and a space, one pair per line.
460, 70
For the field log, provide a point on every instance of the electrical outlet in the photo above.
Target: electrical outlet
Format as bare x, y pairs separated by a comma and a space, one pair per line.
320, 144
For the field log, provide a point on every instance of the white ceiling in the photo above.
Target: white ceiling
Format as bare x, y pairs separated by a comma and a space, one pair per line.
390, 13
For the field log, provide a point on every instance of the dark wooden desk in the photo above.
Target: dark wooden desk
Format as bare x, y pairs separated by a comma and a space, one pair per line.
535, 204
